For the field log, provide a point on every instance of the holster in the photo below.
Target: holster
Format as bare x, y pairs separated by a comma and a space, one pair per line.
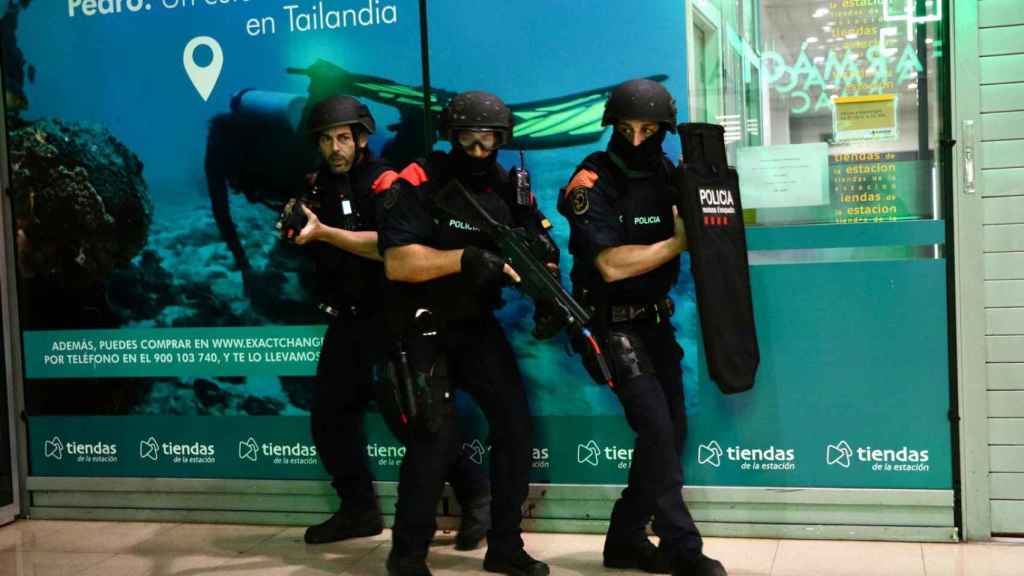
629, 357
421, 395
625, 356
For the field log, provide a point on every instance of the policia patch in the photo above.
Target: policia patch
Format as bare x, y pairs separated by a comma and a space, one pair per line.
580, 201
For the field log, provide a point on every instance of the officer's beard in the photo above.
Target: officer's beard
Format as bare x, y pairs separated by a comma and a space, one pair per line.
647, 157
471, 168
347, 164
339, 164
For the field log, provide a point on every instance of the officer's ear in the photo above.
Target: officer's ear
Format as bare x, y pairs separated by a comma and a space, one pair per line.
363, 139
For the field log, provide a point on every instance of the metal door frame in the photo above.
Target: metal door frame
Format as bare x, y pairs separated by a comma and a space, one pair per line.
11, 335
967, 212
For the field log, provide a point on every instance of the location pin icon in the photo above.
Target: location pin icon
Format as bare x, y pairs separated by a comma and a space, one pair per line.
204, 78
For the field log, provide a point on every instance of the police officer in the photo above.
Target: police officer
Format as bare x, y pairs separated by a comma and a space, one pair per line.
340, 233
446, 267
626, 237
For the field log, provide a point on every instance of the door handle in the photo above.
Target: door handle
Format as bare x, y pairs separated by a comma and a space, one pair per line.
969, 157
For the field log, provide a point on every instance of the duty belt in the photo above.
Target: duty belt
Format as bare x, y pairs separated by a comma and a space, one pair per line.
663, 309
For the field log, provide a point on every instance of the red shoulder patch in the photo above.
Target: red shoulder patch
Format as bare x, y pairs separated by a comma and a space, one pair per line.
384, 181
414, 174
582, 179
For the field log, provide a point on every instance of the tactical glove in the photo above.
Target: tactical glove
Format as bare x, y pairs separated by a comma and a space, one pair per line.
482, 267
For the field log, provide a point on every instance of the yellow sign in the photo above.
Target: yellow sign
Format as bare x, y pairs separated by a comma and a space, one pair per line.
864, 118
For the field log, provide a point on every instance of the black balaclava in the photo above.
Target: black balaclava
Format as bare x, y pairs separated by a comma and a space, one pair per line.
469, 169
643, 158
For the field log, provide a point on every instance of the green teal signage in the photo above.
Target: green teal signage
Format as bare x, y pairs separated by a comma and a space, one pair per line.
568, 450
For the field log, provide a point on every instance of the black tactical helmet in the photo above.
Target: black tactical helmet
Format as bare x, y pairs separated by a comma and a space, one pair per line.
640, 99
477, 110
340, 111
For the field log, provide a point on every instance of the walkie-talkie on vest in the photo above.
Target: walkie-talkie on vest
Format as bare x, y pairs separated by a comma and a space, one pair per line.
521, 181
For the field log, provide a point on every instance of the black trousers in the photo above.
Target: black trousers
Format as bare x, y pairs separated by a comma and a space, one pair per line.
654, 405
480, 362
343, 388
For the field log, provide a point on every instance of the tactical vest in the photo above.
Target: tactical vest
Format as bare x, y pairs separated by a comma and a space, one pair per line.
643, 202
344, 279
451, 298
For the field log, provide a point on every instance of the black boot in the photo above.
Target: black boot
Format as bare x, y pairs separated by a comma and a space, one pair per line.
518, 563
407, 565
635, 553
346, 524
699, 566
476, 521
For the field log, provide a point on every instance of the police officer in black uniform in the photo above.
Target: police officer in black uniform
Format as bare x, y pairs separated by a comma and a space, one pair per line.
443, 266
335, 219
626, 238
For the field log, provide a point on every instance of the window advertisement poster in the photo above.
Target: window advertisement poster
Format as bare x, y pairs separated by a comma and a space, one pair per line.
167, 332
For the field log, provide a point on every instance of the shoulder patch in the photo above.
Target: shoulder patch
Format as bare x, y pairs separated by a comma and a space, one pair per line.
414, 174
384, 181
579, 198
582, 179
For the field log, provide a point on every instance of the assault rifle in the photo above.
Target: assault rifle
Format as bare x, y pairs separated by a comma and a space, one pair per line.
526, 253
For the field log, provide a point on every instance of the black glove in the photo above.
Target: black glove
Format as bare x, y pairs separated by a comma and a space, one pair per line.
482, 267
292, 220
545, 249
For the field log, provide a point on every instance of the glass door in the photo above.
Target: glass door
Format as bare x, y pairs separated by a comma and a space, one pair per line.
833, 119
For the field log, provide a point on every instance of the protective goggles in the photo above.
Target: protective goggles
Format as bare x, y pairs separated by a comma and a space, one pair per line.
487, 139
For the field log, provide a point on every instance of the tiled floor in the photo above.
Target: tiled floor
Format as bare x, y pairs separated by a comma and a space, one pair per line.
45, 548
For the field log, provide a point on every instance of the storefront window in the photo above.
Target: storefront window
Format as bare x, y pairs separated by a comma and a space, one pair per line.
831, 108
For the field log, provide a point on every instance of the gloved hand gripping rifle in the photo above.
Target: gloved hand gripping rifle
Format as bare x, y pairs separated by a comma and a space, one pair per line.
526, 254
